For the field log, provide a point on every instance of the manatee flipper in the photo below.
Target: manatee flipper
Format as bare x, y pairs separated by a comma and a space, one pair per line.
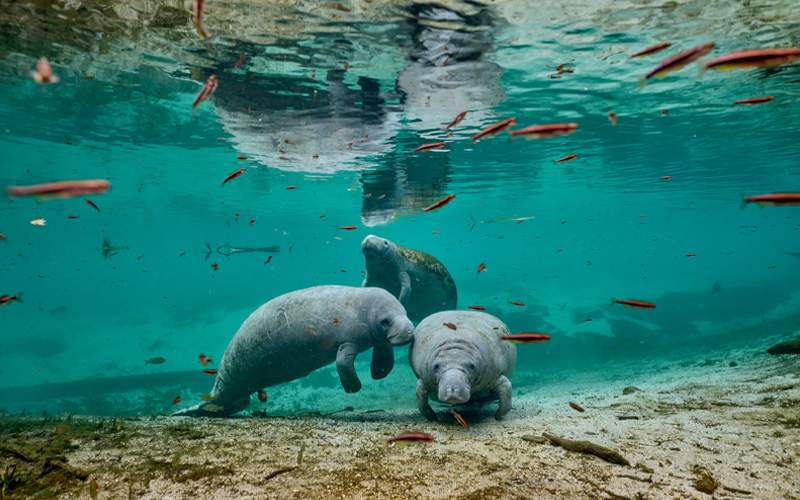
382, 361
345, 359
422, 401
405, 287
503, 391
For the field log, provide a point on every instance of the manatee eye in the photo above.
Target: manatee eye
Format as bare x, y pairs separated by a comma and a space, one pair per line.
471, 367
436, 368
386, 322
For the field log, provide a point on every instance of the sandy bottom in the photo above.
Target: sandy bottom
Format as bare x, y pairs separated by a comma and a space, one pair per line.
702, 430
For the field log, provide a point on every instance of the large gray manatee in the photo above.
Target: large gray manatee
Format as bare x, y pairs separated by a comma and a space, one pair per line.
294, 334
468, 364
421, 283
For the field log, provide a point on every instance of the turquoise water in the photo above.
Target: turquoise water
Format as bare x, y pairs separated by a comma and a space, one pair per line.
604, 225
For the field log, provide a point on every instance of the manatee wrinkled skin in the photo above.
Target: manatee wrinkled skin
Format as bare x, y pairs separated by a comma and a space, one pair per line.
465, 365
421, 283
294, 334
790, 347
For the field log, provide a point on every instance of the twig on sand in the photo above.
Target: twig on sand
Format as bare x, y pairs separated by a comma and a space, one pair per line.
32, 456
590, 448
279, 471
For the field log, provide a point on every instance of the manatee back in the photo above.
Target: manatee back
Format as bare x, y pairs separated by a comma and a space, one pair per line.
432, 287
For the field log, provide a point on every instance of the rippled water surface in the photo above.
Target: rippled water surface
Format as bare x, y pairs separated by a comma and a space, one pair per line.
332, 98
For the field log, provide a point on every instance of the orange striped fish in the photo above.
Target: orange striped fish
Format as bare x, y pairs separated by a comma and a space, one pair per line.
439, 204
516, 303
450, 326
775, 199
205, 92
460, 419
527, 338
637, 304
545, 131
481, 268
576, 407
176, 400
61, 189
566, 158
755, 59
653, 49
234, 175
495, 129
210, 372
431, 146
676, 62
411, 437
476, 308
456, 120
754, 100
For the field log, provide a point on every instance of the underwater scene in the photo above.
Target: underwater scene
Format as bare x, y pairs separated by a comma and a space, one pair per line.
400, 249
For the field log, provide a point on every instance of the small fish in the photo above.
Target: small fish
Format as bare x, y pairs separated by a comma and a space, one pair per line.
73, 216
44, 72
754, 100
516, 303
775, 199
212, 408
262, 395
612, 117
215, 266
450, 326
291, 187
431, 146
61, 189
154, 361
456, 120
545, 131
312, 332
691, 255
566, 158
653, 49
269, 259
207, 397
8, 299
234, 175
460, 419
481, 268
666, 177
139, 257
203, 360
637, 304
494, 129
206, 91
411, 437
287, 141
754, 59
381, 196
241, 157
576, 407
2, 237
315, 156
665, 112
61, 429
176, 400
436, 232
676, 62
476, 308
348, 228
439, 204
241, 60
346, 66
210, 371
182, 254
198, 9
94, 484
252, 221
527, 338
586, 320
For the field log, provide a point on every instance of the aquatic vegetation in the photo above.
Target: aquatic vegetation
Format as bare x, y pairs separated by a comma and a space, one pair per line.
7, 479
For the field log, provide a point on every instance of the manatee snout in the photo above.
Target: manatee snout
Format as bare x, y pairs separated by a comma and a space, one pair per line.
374, 248
401, 331
454, 387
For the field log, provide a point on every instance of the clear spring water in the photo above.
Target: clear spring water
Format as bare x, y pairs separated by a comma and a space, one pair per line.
605, 224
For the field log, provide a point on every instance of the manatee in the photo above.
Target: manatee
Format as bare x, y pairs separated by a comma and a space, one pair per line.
466, 365
419, 280
294, 334
790, 347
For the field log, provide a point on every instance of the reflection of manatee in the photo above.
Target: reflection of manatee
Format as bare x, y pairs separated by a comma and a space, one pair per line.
344, 126
421, 283
469, 364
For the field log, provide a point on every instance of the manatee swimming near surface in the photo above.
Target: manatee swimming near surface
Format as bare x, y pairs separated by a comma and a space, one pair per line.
294, 334
469, 364
418, 280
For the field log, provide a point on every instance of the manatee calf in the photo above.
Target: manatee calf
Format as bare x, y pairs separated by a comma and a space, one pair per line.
468, 364
419, 280
294, 334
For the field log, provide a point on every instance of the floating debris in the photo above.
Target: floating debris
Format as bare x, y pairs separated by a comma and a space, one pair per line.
39, 222
589, 448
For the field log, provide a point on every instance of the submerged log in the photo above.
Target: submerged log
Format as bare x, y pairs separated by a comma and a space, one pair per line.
589, 448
